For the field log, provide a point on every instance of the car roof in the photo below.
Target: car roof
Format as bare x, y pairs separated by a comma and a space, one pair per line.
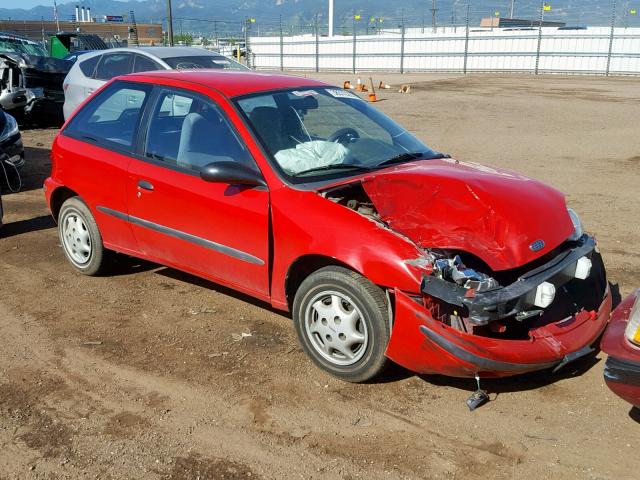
169, 52
164, 52
231, 83
11, 36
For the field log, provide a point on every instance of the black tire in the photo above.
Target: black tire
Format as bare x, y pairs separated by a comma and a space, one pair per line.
94, 263
371, 302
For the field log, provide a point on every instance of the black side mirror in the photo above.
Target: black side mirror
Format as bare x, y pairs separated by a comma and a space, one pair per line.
233, 173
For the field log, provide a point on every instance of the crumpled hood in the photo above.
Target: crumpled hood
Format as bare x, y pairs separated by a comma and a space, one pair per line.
494, 214
42, 64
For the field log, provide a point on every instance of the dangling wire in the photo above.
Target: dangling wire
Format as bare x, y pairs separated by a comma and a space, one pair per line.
5, 160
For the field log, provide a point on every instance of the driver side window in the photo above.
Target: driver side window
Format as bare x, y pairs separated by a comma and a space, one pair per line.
190, 131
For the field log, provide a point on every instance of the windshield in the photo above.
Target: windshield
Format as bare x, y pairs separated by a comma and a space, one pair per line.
327, 132
203, 61
15, 45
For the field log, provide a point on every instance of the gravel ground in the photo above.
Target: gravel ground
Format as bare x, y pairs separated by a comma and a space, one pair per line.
139, 374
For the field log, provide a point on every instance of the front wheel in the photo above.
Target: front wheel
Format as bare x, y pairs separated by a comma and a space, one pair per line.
80, 237
342, 322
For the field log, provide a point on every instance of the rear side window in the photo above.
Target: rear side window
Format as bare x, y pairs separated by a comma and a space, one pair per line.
194, 62
112, 117
145, 64
87, 67
113, 65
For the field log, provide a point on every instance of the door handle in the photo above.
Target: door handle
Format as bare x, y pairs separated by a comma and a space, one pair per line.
143, 184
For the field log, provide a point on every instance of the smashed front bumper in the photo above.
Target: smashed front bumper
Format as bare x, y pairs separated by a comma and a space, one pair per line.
565, 331
424, 345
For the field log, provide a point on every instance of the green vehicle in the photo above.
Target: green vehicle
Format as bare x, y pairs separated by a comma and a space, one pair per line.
62, 45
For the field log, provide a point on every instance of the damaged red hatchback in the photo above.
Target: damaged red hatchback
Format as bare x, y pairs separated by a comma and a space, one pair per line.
305, 196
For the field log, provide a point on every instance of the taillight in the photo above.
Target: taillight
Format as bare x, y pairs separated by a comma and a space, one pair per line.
633, 327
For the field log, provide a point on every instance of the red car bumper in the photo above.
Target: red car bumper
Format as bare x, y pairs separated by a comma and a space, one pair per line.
424, 345
622, 369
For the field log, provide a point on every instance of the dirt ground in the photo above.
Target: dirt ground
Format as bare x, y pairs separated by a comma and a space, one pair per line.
141, 374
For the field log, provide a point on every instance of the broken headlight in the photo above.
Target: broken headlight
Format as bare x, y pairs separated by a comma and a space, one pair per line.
10, 127
577, 225
453, 270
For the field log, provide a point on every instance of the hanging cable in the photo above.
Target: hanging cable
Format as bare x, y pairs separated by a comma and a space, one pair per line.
4, 160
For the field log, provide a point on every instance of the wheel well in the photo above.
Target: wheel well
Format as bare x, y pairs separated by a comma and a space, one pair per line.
58, 197
301, 268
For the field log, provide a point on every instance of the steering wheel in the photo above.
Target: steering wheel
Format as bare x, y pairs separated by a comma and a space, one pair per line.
344, 135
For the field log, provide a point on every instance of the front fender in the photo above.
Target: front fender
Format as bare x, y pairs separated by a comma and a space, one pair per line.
319, 227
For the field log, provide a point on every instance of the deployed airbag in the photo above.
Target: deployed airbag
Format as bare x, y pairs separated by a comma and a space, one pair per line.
313, 154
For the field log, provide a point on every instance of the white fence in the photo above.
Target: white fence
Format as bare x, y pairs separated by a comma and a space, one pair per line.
596, 50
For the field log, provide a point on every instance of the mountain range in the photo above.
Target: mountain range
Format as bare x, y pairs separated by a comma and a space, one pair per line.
205, 15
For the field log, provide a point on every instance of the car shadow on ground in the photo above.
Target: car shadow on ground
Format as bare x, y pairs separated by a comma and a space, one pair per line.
634, 414
121, 265
209, 285
125, 265
616, 297
20, 227
518, 383
37, 168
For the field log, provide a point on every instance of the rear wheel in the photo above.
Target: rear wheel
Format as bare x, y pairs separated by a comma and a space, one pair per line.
80, 237
342, 322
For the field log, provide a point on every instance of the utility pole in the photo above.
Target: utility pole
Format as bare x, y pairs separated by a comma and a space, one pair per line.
169, 24
55, 15
281, 47
466, 42
330, 18
247, 56
543, 4
453, 12
434, 10
317, 34
354, 41
511, 9
613, 28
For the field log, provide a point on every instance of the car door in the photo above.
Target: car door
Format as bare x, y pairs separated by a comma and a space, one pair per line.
98, 144
215, 230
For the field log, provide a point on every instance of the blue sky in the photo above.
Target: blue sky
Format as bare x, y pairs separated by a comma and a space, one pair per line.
28, 3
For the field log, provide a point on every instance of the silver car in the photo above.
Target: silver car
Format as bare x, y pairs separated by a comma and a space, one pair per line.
92, 70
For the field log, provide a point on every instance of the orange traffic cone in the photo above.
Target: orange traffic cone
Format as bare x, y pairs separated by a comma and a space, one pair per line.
372, 95
347, 85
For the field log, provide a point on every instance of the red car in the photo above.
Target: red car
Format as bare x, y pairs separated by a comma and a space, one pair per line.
305, 196
621, 342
